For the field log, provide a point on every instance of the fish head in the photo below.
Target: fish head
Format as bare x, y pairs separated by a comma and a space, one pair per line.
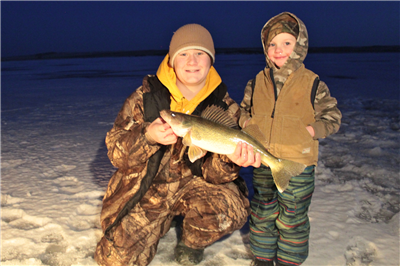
179, 122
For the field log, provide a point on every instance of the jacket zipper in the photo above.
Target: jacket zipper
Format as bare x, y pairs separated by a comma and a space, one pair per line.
271, 76
275, 92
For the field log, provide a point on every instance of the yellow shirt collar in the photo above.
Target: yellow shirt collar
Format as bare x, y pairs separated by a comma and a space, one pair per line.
167, 76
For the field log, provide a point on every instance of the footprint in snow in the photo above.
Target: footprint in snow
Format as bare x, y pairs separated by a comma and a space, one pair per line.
87, 209
53, 173
9, 200
360, 252
52, 237
11, 163
68, 184
17, 218
86, 217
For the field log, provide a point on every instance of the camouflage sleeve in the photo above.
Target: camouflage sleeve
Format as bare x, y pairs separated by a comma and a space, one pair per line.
245, 105
217, 168
126, 142
327, 115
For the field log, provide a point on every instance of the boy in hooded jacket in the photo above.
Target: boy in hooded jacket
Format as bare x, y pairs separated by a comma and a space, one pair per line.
289, 108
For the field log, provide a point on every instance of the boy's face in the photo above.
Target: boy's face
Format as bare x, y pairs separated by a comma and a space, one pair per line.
280, 48
192, 66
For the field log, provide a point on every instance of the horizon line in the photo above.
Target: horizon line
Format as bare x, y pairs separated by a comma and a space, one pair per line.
245, 50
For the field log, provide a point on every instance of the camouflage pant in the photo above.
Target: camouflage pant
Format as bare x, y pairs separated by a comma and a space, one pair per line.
210, 212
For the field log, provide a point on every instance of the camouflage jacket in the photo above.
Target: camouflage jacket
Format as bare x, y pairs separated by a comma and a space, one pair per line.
131, 152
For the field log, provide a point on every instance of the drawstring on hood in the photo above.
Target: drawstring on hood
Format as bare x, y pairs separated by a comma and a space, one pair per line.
179, 103
289, 23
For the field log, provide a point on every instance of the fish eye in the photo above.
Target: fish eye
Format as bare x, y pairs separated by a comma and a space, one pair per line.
173, 114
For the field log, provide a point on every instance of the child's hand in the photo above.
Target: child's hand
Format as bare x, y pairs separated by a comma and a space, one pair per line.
310, 130
244, 156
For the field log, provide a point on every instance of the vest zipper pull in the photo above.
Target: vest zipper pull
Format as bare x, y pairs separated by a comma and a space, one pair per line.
273, 110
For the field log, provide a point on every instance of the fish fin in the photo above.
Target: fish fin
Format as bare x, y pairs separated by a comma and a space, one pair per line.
254, 131
283, 172
180, 154
196, 153
187, 141
219, 115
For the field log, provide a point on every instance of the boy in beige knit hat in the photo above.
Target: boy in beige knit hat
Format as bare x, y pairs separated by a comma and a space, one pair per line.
191, 36
151, 185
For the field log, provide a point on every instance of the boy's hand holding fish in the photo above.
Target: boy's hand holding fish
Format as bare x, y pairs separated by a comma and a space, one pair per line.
161, 132
244, 156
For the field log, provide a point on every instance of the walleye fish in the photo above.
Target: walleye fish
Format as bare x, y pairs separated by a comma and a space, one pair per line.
217, 132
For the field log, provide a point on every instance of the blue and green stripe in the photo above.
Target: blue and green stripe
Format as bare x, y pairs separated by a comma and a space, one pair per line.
279, 224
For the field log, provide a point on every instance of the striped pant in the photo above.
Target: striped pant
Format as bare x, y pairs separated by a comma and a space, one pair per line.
279, 224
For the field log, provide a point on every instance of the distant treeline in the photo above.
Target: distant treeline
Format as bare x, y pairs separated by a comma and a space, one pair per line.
54, 55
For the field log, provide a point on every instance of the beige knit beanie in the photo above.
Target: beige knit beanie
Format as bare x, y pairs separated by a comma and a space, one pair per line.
191, 36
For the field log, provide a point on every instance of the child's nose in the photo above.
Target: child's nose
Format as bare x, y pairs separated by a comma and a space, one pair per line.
278, 49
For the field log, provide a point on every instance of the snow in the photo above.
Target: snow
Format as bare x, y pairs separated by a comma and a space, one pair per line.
54, 165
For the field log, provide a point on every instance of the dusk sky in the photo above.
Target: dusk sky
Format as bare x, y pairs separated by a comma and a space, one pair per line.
100, 26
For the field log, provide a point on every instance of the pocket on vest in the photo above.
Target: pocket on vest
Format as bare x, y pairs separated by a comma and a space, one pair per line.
295, 139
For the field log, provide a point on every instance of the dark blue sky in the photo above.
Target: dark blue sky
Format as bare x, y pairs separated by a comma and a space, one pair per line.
98, 26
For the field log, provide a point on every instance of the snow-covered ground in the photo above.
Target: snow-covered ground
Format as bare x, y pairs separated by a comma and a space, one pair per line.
54, 167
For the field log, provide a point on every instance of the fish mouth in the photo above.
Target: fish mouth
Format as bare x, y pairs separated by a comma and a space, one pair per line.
169, 116
165, 114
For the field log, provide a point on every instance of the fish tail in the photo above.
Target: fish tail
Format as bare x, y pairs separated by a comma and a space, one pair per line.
283, 171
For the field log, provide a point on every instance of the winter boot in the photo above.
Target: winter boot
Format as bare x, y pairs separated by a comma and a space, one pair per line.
188, 256
256, 262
